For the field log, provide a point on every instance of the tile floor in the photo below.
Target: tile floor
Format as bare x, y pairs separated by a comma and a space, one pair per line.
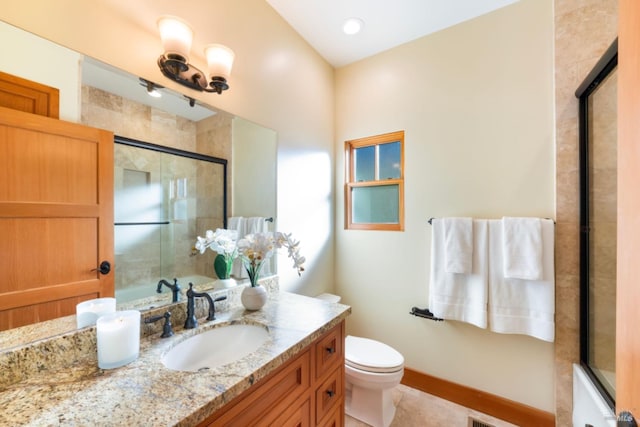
417, 409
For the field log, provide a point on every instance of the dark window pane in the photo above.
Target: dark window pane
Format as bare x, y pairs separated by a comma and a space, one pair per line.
364, 160
389, 160
375, 205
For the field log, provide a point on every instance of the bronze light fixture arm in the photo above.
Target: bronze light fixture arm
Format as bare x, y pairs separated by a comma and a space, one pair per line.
190, 76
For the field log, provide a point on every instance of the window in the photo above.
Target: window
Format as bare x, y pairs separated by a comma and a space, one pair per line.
374, 189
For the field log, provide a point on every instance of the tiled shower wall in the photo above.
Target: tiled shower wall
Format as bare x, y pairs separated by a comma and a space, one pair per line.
584, 29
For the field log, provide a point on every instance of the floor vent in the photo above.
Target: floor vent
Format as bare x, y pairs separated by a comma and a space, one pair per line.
477, 423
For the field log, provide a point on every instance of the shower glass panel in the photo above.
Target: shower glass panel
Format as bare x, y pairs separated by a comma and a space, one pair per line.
163, 199
598, 223
602, 235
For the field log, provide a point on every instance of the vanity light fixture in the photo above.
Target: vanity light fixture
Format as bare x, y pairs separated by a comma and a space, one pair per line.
176, 38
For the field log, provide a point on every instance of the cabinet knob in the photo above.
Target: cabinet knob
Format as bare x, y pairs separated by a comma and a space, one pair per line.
331, 350
330, 393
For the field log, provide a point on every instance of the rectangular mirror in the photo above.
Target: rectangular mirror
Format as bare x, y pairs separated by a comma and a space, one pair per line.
249, 148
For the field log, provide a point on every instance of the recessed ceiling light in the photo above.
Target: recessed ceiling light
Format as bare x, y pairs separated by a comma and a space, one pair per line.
352, 26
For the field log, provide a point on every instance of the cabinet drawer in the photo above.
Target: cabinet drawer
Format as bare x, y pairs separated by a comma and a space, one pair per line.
329, 351
270, 398
297, 415
329, 393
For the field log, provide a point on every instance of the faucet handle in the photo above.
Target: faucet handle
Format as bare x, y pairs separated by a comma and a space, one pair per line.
212, 307
167, 329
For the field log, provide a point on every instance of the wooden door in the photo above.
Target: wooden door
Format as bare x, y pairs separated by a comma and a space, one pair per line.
56, 216
628, 269
25, 95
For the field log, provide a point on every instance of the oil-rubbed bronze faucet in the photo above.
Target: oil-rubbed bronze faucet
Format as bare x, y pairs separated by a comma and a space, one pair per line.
191, 321
175, 288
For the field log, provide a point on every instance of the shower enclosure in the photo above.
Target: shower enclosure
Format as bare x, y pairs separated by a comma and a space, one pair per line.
164, 198
598, 223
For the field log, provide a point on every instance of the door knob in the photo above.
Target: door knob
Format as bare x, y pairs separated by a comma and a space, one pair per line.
625, 419
105, 267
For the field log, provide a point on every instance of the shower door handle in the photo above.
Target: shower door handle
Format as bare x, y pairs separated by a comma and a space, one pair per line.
625, 419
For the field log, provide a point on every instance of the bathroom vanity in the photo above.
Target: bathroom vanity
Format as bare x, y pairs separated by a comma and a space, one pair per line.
295, 378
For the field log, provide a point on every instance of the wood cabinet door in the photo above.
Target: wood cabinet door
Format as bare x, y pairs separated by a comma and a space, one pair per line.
31, 97
628, 267
56, 216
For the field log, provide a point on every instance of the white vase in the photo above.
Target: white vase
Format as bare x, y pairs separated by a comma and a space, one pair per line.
253, 297
224, 283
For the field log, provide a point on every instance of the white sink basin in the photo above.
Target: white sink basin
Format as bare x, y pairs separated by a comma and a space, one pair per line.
215, 347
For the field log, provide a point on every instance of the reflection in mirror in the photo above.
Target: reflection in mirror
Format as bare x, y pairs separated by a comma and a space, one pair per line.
227, 136
598, 220
162, 198
115, 100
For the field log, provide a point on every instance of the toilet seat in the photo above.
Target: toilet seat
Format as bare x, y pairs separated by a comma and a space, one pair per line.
372, 356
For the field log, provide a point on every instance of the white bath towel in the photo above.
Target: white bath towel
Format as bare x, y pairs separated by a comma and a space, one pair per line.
257, 224
240, 224
519, 306
458, 245
454, 296
251, 225
522, 248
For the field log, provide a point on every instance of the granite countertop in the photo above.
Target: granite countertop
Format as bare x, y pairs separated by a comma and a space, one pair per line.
144, 392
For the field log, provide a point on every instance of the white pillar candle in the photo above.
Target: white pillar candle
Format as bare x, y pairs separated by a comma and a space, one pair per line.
118, 338
87, 312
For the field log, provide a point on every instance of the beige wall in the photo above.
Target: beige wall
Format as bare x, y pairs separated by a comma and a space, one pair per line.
476, 104
53, 66
277, 81
254, 167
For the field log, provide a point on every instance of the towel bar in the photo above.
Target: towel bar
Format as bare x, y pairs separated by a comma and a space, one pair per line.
430, 220
425, 313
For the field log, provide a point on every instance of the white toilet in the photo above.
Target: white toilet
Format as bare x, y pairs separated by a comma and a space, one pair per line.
372, 370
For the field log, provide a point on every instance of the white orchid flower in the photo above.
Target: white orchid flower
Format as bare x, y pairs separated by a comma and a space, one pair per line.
223, 241
258, 247
201, 244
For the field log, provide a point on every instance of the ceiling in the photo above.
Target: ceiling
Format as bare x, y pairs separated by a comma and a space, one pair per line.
387, 23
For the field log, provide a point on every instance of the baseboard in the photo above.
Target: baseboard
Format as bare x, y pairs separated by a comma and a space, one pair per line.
495, 406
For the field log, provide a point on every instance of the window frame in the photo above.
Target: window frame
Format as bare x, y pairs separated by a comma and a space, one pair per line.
350, 184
